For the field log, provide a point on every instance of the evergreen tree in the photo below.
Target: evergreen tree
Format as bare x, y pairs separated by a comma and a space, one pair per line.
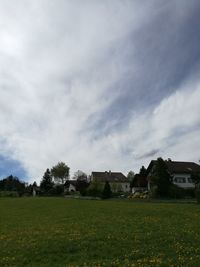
161, 178
107, 193
46, 184
143, 171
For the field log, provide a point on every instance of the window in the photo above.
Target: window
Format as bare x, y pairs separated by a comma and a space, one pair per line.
180, 180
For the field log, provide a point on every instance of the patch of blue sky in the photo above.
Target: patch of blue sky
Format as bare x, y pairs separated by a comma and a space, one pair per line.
9, 166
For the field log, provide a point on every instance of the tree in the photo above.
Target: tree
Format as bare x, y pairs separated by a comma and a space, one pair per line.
143, 171
161, 178
81, 182
107, 193
60, 172
80, 175
12, 183
196, 179
46, 184
94, 189
130, 177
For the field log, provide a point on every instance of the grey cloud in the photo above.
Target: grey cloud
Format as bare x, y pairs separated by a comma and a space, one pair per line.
95, 85
161, 54
149, 154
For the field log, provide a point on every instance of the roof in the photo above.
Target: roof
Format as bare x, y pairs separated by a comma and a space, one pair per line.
178, 166
182, 167
72, 182
117, 177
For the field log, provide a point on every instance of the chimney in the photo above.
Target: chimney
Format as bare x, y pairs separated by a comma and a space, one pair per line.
110, 172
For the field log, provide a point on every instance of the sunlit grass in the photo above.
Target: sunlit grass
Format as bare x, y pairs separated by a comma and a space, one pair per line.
64, 232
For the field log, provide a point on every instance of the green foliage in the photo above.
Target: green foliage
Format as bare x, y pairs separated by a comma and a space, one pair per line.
107, 193
143, 171
60, 172
81, 182
130, 177
178, 192
196, 178
46, 184
161, 179
12, 183
197, 194
94, 189
56, 190
9, 194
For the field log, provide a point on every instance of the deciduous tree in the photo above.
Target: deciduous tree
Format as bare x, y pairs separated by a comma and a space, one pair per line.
60, 172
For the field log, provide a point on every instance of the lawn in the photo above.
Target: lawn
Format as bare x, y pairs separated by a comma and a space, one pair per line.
70, 232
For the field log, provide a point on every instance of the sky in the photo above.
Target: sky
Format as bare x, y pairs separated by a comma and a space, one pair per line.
99, 85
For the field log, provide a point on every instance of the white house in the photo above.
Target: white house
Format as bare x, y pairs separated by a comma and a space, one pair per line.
118, 182
70, 186
180, 172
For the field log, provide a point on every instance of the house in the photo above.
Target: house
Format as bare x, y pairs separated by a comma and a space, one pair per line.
70, 186
118, 182
139, 183
180, 172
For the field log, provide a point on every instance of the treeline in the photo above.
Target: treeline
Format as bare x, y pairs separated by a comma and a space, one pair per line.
13, 186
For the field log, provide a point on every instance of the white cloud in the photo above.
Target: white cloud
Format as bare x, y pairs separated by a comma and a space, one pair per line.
171, 129
60, 63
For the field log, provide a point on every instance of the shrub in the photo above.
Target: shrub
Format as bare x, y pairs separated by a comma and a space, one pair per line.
83, 192
178, 192
9, 194
94, 190
197, 194
107, 193
57, 190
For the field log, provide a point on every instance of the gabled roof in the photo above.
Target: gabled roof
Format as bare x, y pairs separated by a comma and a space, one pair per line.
182, 167
177, 166
72, 182
117, 177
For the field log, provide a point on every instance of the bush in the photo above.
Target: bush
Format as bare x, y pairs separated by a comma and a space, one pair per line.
9, 194
107, 193
57, 190
94, 190
178, 192
197, 194
83, 192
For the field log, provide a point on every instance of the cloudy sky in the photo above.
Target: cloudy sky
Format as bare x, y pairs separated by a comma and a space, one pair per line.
100, 85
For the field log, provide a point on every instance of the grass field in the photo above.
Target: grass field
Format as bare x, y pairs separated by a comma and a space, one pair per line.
66, 232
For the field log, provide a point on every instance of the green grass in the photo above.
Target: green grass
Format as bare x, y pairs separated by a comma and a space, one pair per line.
66, 232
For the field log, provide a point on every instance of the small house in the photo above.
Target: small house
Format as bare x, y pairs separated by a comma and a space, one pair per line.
139, 183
